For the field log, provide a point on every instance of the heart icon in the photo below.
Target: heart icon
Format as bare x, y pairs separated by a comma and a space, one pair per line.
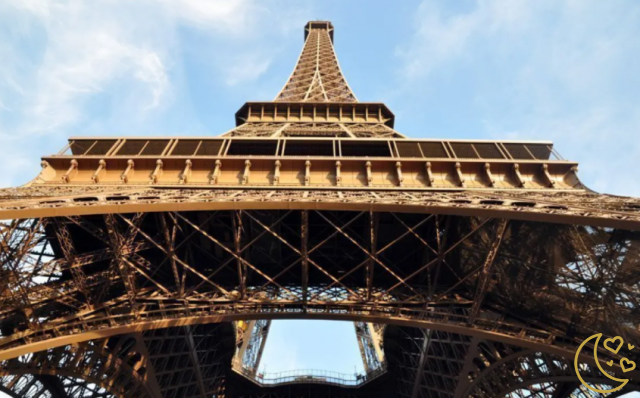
607, 341
631, 347
610, 363
632, 365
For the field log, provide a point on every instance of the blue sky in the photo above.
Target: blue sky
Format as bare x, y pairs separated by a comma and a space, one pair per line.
565, 71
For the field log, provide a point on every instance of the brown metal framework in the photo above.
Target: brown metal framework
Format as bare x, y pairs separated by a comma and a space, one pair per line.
140, 267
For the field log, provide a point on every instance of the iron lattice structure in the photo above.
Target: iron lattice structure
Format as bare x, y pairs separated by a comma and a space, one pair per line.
141, 267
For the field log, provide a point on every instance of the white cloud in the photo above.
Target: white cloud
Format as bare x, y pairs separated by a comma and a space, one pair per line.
74, 53
441, 38
547, 70
87, 65
247, 67
233, 17
86, 48
66, 62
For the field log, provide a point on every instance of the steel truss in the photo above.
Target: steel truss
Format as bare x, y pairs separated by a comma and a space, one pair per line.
250, 341
97, 368
370, 342
190, 361
467, 277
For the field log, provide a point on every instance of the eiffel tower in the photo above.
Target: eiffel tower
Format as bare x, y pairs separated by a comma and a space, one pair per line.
153, 266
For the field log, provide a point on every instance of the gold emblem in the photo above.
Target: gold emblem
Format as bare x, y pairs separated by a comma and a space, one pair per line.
630, 365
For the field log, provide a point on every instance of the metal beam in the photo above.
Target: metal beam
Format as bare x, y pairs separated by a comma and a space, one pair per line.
150, 372
426, 343
69, 252
170, 240
238, 227
193, 354
555, 207
373, 243
304, 232
118, 244
467, 368
265, 334
485, 274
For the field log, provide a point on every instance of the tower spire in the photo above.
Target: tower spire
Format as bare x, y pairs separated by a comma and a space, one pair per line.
317, 76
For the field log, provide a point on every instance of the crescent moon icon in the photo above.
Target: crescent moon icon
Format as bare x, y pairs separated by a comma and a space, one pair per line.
595, 355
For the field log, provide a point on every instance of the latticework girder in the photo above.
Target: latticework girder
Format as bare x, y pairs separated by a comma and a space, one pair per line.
370, 343
190, 361
551, 279
250, 342
98, 368
566, 208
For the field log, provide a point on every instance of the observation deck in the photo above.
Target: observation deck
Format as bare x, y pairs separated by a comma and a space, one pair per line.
312, 376
292, 161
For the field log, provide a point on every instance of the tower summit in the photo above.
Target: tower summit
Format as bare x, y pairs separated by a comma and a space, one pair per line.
317, 76
152, 266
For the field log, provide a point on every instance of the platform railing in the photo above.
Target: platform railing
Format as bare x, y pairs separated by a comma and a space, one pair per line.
312, 376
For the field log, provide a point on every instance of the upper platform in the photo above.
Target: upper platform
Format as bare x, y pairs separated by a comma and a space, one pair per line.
288, 159
318, 25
